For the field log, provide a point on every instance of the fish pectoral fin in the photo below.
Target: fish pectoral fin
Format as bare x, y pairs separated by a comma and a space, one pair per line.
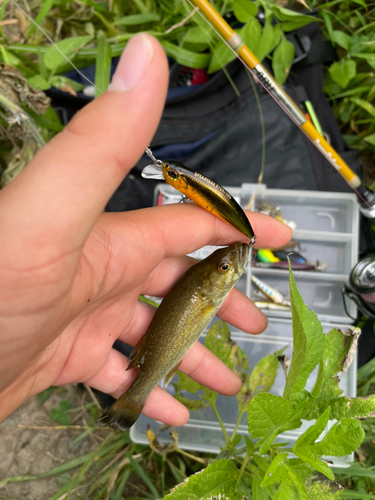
170, 374
136, 354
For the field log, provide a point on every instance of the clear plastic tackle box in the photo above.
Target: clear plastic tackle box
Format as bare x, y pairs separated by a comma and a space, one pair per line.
326, 226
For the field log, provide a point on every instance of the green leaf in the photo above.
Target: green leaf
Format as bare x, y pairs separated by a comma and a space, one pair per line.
308, 343
219, 478
256, 490
59, 416
65, 49
264, 374
370, 139
268, 416
268, 41
306, 449
341, 439
244, 10
342, 72
43, 396
251, 34
370, 58
285, 491
341, 38
364, 105
65, 405
291, 20
38, 82
322, 491
219, 342
276, 471
222, 55
282, 60
186, 57
137, 19
103, 65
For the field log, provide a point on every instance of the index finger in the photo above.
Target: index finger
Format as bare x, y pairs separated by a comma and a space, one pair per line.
180, 229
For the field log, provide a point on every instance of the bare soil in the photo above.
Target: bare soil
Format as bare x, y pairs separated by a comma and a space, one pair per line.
30, 445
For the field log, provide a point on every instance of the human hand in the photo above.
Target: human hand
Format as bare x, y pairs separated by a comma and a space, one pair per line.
70, 275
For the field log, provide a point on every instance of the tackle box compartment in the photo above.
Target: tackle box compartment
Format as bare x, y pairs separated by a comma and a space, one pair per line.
326, 225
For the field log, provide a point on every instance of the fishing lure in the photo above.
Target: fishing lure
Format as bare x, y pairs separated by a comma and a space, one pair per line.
269, 292
203, 191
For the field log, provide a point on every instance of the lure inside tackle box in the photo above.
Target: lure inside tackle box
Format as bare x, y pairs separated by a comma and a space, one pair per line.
326, 226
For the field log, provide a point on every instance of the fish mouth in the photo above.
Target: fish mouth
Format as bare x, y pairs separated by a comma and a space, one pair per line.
242, 253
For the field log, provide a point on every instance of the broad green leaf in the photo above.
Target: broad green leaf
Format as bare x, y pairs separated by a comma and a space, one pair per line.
268, 40
103, 65
282, 60
268, 416
341, 38
186, 383
291, 20
137, 19
370, 58
276, 471
341, 439
367, 106
264, 374
345, 407
322, 491
198, 35
59, 416
65, 49
306, 449
38, 82
218, 480
219, 342
327, 391
257, 492
221, 56
244, 10
308, 343
186, 57
251, 35
65, 405
43, 396
297, 481
342, 72
370, 138
285, 491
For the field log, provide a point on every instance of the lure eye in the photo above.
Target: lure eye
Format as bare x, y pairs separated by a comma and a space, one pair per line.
172, 174
223, 267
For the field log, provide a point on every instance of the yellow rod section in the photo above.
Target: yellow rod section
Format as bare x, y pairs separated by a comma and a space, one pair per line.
280, 96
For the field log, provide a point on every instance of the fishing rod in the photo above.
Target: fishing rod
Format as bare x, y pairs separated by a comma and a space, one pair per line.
237, 45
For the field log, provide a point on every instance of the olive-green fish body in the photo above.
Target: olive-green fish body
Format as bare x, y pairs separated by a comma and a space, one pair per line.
207, 194
179, 321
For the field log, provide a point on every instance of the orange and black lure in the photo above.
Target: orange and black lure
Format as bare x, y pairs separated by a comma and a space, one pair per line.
203, 191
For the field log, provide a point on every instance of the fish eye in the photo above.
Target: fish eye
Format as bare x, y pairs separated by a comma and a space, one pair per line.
172, 174
224, 266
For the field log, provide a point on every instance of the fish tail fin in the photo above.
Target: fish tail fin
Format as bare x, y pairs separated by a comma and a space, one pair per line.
123, 413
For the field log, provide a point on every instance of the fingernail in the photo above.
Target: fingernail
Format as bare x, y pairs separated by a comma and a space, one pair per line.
132, 64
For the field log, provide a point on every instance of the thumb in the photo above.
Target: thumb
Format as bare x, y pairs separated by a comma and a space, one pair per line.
56, 200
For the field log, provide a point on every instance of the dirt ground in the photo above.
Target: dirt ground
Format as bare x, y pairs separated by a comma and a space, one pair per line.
29, 445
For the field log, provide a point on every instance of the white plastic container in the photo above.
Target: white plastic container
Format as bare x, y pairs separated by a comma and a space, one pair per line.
326, 225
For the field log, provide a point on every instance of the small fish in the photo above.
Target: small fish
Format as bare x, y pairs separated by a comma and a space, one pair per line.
179, 321
203, 191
